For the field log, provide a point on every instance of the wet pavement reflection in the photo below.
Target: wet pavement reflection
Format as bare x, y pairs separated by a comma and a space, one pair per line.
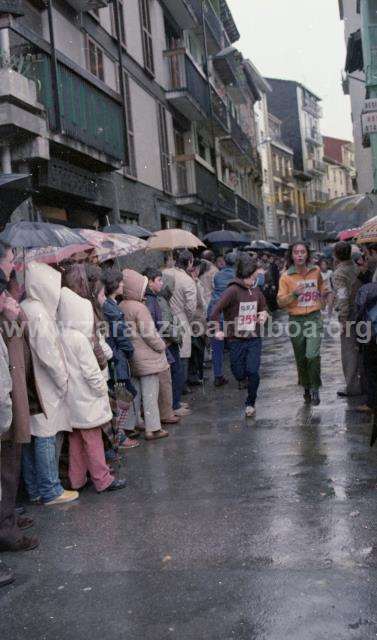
258, 530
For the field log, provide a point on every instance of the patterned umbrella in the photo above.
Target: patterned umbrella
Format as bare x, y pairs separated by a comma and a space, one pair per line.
368, 232
109, 246
48, 255
348, 234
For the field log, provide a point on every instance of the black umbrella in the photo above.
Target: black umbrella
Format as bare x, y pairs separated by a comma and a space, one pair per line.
226, 238
15, 188
31, 235
128, 230
347, 212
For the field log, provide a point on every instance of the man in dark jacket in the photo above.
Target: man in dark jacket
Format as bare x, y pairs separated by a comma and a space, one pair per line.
346, 285
244, 308
117, 340
165, 396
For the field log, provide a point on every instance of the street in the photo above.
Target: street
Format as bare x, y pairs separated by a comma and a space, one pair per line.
228, 530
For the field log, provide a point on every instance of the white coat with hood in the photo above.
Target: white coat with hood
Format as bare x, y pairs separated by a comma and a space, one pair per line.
43, 286
88, 398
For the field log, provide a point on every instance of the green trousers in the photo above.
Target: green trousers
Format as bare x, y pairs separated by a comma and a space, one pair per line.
306, 335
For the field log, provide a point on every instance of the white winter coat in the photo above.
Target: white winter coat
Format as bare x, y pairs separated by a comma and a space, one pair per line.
183, 304
88, 398
43, 286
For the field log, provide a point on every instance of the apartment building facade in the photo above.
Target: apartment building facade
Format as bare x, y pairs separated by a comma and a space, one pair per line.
354, 85
340, 161
137, 110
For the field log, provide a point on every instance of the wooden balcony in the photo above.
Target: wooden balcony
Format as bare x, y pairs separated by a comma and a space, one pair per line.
89, 116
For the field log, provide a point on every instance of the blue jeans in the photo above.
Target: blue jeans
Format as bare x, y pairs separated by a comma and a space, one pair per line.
217, 347
176, 376
40, 469
245, 359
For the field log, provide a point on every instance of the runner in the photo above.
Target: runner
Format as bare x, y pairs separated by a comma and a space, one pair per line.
244, 308
300, 292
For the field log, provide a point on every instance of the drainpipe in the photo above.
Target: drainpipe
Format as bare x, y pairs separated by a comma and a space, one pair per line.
54, 69
204, 28
368, 10
6, 161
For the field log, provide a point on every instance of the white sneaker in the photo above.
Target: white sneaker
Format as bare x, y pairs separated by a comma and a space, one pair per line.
249, 412
66, 496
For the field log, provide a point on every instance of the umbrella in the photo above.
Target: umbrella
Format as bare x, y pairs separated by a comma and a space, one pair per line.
226, 238
49, 255
347, 211
15, 188
348, 234
263, 245
32, 235
110, 245
368, 232
170, 239
128, 230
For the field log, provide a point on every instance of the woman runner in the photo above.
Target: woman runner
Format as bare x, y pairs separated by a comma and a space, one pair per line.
300, 292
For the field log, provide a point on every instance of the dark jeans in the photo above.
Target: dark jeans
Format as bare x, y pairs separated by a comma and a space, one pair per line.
196, 365
245, 360
217, 347
176, 376
370, 371
10, 478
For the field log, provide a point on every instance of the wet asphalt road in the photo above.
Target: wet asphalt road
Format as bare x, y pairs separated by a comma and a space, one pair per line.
228, 530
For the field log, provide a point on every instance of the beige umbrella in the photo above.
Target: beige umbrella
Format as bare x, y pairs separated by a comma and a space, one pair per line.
170, 239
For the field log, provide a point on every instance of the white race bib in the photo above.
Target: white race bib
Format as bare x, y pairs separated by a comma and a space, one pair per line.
247, 316
310, 295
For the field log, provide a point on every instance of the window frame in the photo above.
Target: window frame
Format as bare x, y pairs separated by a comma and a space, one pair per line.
130, 168
164, 149
123, 35
97, 49
147, 36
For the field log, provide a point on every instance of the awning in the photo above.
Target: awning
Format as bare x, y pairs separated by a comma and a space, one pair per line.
355, 58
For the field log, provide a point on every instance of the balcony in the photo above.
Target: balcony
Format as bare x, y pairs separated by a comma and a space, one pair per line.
319, 197
227, 200
88, 5
316, 167
182, 12
13, 7
214, 27
188, 91
314, 137
229, 71
238, 143
22, 114
247, 212
197, 185
220, 114
89, 115
312, 107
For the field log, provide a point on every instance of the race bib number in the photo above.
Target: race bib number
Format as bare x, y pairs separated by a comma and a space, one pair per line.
247, 316
310, 295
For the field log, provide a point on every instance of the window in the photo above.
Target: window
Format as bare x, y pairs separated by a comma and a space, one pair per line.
164, 148
146, 32
122, 27
131, 166
94, 60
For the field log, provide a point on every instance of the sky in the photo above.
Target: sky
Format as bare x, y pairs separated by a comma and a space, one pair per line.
299, 40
